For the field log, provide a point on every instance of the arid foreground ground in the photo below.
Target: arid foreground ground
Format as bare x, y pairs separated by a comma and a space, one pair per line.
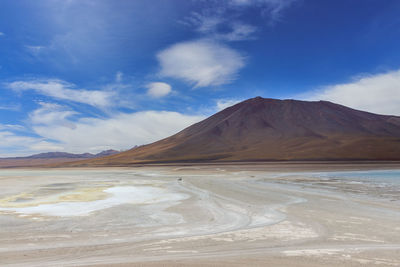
216, 215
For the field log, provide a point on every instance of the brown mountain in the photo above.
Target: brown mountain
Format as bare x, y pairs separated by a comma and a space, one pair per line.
270, 129
50, 158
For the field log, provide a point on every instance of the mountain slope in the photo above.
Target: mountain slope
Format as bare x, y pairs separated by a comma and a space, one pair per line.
270, 129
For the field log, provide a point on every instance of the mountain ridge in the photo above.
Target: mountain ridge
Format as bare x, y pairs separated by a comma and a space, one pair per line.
67, 155
270, 129
50, 158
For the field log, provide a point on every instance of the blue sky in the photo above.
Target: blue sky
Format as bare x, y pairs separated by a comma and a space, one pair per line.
89, 75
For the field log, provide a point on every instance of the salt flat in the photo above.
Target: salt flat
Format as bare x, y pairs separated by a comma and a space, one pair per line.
222, 215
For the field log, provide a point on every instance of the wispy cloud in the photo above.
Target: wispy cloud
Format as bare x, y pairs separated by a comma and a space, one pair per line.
13, 144
59, 89
52, 114
201, 62
34, 49
118, 77
224, 20
16, 144
45, 146
57, 128
2, 33
220, 27
158, 89
270, 8
12, 127
12, 107
239, 32
120, 131
379, 93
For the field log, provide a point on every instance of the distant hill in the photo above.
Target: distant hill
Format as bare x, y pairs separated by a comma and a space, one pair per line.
50, 158
70, 155
261, 129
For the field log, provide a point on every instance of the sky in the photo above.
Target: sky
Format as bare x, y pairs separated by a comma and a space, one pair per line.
89, 75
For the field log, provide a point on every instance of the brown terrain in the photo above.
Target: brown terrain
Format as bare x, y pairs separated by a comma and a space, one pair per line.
262, 129
49, 158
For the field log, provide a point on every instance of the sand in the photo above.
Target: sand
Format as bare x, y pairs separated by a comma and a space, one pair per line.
202, 215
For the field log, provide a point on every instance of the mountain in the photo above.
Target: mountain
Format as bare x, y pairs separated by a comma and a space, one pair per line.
106, 153
270, 129
51, 157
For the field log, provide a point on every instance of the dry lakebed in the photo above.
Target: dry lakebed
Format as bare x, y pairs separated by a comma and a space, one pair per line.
201, 215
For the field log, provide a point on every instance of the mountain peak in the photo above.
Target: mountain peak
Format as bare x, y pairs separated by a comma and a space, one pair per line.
272, 129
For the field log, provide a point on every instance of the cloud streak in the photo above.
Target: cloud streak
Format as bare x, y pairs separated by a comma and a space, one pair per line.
13, 127
65, 91
15, 107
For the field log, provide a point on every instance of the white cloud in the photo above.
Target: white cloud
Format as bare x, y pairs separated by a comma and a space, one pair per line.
378, 93
14, 145
14, 138
201, 62
62, 90
158, 89
120, 131
225, 103
1, 33
45, 146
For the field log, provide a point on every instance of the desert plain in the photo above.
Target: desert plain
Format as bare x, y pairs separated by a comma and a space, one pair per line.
199, 215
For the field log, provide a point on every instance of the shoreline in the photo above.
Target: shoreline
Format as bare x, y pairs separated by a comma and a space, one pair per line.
282, 166
311, 163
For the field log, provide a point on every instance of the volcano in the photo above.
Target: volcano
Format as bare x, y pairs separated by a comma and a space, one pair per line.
262, 129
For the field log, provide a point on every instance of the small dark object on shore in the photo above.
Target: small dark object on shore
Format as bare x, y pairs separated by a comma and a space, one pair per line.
179, 179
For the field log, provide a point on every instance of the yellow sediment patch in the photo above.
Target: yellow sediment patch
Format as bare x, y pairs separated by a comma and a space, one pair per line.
85, 194
12, 201
33, 199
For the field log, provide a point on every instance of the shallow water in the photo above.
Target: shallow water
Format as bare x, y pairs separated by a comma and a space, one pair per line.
384, 184
375, 176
